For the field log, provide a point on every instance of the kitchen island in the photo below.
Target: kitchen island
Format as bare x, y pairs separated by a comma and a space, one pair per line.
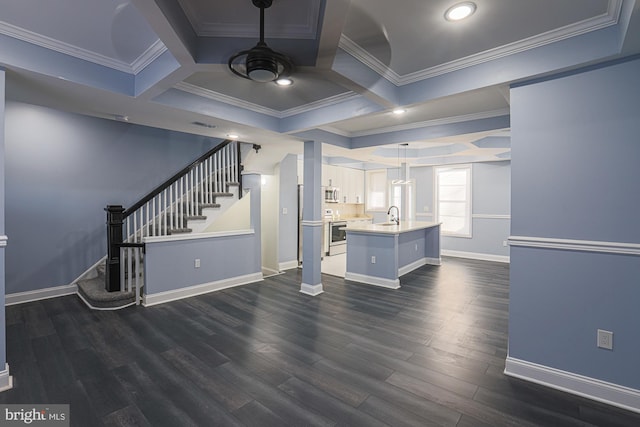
378, 254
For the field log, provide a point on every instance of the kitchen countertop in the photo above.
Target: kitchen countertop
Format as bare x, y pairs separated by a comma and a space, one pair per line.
391, 228
348, 218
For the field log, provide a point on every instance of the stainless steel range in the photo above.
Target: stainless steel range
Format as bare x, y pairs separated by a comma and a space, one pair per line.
337, 237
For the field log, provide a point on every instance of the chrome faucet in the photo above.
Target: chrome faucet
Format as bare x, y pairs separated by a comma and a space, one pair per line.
396, 218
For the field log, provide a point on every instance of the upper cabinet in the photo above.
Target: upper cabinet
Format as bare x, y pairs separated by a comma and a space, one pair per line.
349, 181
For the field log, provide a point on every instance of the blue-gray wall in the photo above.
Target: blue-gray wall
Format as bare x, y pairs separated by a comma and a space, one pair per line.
491, 199
3, 329
61, 171
288, 224
169, 265
575, 174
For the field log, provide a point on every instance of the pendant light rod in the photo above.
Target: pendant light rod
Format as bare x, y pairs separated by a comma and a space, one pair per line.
261, 24
261, 63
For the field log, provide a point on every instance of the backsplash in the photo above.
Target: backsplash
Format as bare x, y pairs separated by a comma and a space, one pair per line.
346, 209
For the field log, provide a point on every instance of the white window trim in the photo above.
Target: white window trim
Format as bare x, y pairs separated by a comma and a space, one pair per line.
367, 193
436, 201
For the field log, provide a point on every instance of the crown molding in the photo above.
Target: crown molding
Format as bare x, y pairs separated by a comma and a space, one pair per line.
326, 102
297, 32
609, 18
216, 96
435, 122
147, 57
306, 30
418, 125
334, 130
355, 50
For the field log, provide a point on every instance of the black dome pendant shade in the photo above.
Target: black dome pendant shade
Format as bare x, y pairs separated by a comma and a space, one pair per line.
261, 63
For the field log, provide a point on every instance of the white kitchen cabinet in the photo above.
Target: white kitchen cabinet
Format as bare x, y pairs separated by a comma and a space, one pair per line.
353, 182
349, 181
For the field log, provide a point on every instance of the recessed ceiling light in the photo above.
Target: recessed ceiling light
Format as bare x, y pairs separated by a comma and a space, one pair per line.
460, 11
399, 111
232, 136
284, 82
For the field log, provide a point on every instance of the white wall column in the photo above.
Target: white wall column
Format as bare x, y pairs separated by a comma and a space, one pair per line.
312, 220
5, 379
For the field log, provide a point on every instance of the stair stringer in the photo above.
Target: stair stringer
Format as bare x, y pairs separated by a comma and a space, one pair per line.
211, 214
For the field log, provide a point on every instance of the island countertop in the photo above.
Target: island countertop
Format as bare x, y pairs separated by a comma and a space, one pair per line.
378, 254
390, 228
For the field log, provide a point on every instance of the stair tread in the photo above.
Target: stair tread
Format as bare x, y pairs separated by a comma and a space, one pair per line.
94, 292
195, 217
180, 230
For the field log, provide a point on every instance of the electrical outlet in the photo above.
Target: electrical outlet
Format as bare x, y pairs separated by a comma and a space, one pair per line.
196, 263
504, 243
605, 339
284, 211
373, 259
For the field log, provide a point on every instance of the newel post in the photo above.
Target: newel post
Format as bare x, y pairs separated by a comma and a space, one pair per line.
115, 216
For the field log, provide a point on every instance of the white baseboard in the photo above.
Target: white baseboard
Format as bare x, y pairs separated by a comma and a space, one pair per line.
312, 290
269, 271
91, 269
288, 265
417, 264
39, 294
176, 294
591, 388
6, 380
373, 280
476, 255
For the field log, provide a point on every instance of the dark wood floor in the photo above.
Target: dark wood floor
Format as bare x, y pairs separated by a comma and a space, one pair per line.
430, 353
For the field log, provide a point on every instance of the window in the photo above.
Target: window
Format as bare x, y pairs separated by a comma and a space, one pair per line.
395, 198
453, 200
403, 196
376, 190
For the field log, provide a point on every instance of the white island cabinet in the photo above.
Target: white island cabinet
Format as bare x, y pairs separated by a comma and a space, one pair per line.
378, 254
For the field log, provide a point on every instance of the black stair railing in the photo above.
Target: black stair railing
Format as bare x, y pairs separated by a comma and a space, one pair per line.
166, 209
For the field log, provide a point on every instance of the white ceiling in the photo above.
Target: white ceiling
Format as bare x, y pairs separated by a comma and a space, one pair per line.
162, 63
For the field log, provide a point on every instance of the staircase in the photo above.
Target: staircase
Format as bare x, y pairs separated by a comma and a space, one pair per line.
188, 202
189, 218
92, 291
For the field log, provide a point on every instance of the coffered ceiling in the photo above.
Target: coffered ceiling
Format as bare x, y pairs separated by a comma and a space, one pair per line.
162, 63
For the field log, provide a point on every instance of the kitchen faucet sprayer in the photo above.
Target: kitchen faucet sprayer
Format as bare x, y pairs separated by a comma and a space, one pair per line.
395, 219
